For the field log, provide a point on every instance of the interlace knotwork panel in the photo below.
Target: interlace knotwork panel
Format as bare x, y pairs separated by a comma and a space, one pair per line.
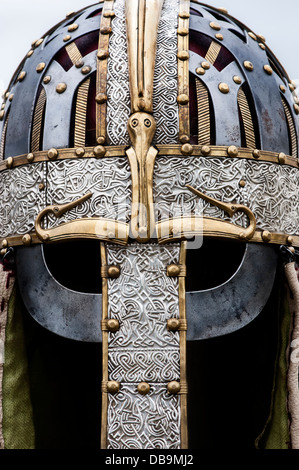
143, 298
108, 179
21, 198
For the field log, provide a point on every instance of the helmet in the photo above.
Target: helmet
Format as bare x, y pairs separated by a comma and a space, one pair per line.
149, 175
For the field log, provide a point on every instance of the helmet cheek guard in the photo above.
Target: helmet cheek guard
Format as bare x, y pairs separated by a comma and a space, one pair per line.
148, 177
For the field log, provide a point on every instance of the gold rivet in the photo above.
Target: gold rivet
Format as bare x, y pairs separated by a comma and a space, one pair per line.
52, 154
11, 97
296, 99
80, 151
106, 30
72, 27
214, 25
205, 65
41, 186
252, 35
61, 87
183, 55
205, 150
187, 149
256, 153
70, 13
101, 98
79, 63
184, 138
38, 42
237, 79
173, 270
113, 387
219, 36
266, 236
67, 38
200, 71
2, 115
296, 108
143, 388
40, 67
21, 76
47, 79
113, 272
292, 249
282, 88
30, 157
4, 243
7, 94
26, 239
232, 151
183, 99
173, 324
183, 31
248, 65
291, 87
101, 140
85, 70
262, 46
29, 54
224, 88
33, 43
173, 387
261, 37
223, 10
268, 69
3, 252
9, 162
113, 325
290, 240
102, 54
242, 183
282, 158
109, 14
99, 151
184, 14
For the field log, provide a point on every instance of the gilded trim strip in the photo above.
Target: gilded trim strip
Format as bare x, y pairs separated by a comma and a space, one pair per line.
203, 113
183, 343
172, 150
104, 351
37, 121
183, 71
80, 114
247, 119
102, 68
292, 129
3, 137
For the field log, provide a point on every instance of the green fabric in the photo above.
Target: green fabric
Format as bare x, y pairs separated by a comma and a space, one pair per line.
18, 425
276, 432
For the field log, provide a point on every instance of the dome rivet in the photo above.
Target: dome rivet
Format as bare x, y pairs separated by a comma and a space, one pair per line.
219, 36
261, 37
99, 151
183, 55
173, 387
113, 387
80, 151
102, 54
113, 325
4, 243
79, 63
290, 240
173, 270
30, 157
73, 27
183, 99
67, 38
40, 67
248, 65
52, 154
268, 69
173, 324
215, 26
61, 87
26, 239
106, 30
232, 151
282, 88
101, 98
224, 88
38, 42
29, 54
184, 139
205, 65
109, 14
282, 158
143, 388
101, 140
85, 70
47, 79
113, 272
187, 149
200, 71
9, 162
183, 31
242, 183
266, 236
10, 98
256, 153
296, 108
184, 14
21, 76
205, 150
262, 46
2, 113
252, 35
237, 79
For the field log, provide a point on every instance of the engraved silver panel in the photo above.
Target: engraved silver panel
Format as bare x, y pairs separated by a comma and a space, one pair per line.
21, 200
109, 181
144, 422
143, 298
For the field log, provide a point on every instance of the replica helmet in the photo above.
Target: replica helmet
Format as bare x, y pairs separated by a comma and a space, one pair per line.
148, 178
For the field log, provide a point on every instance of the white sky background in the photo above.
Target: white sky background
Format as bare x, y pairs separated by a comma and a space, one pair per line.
23, 21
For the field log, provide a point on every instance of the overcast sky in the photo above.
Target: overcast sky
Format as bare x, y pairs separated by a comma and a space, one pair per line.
23, 21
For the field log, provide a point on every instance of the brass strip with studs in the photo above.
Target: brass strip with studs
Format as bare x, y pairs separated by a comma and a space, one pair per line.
165, 150
73, 52
183, 343
102, 68
203, 113
247, 119
80, 114
105, 333
183, 71
213, 52
37, 121
3, 137
292, 129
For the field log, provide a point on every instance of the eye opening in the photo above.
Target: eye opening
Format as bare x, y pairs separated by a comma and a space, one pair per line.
147, 123
134, 122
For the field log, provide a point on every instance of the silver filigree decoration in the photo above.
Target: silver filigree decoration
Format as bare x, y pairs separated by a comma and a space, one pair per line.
143, 298
165, 107
108, 180
118, 88
21, 199
144, 422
